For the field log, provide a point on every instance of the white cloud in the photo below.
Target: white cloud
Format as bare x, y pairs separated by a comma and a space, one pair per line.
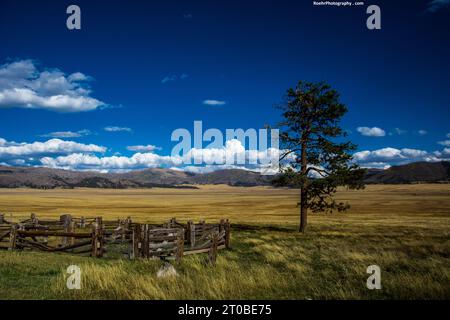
78, 76
146, 148
392, 156
52, 146
79, 161
56, 153
67, 134
232, 153
210, 158
22, 85
117, 129
381, 154
210, 168
386, 154
371, 132
210, 102
445, 143
413, 153
375, 165
448, 135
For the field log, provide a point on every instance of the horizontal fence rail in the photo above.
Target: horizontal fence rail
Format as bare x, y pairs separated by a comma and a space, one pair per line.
96, 237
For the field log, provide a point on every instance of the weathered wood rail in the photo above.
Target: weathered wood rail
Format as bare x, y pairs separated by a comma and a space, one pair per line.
95, 237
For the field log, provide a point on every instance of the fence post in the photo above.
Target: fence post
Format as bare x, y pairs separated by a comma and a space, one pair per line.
213, 249
13, 237
136, 241
2, 218
192, 235
126, 228
34, 220
99, 223
65, 219
94, 240
227, 234
82, 222
180, 246
71, 230
97, 238
145, 245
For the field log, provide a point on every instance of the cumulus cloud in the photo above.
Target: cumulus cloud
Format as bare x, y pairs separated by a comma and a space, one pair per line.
78, 76
52, 146
436, 5
147, 148
67, 134
212, 168
386, 157
24, 153
233, 153
81, 161
211, 102
117, 129
371, 132
22, 85
56, 153
210, 159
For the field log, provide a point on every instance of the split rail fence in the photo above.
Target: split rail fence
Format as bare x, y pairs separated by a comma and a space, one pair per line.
97, 238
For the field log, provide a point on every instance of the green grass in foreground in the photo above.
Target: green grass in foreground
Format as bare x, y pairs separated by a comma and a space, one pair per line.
263, 264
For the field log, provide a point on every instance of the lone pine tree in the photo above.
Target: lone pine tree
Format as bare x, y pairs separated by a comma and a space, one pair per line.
315, 158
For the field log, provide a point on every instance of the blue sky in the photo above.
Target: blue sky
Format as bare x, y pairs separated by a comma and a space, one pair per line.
108, 96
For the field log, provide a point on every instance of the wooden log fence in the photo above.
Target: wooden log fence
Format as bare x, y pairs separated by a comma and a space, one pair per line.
93, 236
5, 231
151, 242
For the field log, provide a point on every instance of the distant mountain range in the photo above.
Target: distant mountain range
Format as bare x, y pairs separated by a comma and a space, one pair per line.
46, 178
411, 173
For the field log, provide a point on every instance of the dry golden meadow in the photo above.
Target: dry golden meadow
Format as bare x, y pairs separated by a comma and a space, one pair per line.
405, 229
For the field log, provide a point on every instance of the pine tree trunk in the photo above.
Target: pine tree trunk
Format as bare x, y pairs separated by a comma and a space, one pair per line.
304, 191
303, 211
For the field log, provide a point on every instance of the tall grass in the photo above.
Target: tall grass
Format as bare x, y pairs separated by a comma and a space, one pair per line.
407, 235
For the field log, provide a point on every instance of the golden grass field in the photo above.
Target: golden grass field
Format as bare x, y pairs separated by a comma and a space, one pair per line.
405, 229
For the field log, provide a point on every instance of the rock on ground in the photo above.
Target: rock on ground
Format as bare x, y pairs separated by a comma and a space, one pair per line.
167, 270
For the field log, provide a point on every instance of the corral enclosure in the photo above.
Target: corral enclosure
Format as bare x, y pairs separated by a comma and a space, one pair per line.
405, 229
95, 237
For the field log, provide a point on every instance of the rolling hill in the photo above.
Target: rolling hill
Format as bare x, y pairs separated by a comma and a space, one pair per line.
412, 173
46, 178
